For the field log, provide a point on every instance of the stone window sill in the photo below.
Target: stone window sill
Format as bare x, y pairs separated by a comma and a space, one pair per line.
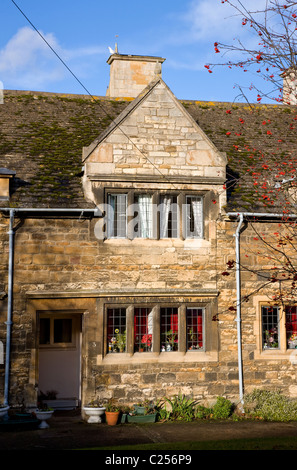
150, 357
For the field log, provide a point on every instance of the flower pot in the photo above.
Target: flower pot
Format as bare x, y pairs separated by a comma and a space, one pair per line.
112, 417
95, 413
3, 411
139, 410
43, 416
142, 418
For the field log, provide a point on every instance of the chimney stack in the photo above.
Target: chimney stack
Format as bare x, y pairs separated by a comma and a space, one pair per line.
130, 74
290, 86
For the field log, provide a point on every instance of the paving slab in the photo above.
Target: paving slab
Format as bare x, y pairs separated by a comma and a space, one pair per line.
68, 431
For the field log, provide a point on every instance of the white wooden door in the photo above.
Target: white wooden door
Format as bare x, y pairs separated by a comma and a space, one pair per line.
59, 355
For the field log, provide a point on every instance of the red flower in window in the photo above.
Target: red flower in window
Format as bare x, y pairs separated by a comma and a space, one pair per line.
146, 339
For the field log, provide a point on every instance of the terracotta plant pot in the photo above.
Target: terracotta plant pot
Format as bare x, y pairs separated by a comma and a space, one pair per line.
112, 417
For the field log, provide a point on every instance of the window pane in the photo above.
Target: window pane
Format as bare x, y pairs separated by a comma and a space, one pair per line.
270, 327
44, 331
194, 217
169, 329
63, 330
143, 329
168, 217
194, 328
116, 330
144, 216
117, 227
291, 327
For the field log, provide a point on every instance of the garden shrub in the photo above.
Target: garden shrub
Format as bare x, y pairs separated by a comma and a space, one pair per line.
202, 412
271, 406
181, 408
222, 409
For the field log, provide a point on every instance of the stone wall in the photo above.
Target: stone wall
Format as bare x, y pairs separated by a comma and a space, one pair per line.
60, 264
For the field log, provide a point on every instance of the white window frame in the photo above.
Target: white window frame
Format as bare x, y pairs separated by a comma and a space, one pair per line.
182, 227
111, 216
280, 353
192, 220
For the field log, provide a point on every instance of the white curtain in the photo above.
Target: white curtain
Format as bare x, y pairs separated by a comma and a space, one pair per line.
196, 213
117, 215
110, 216
164, 213
145, 229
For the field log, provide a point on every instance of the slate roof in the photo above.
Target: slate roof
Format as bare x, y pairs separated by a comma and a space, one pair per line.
42, 136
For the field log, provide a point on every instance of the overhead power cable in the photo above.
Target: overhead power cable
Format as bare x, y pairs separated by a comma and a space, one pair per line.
87, 91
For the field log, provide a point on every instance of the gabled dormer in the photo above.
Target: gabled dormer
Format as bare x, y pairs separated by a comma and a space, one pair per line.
152, 155
6, 177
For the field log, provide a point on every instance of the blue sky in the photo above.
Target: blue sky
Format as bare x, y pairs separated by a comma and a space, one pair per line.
182, 32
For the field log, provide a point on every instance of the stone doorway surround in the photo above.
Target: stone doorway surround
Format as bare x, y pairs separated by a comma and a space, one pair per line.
41, 303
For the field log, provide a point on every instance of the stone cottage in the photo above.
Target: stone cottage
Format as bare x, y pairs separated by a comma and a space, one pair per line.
119, 215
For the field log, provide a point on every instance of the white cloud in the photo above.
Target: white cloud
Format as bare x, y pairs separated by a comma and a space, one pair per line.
216, 19
24, 49
27, 61
205, 22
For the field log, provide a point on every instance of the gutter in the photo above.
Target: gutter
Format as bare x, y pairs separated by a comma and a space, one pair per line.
240, 216
12, 211
96, 212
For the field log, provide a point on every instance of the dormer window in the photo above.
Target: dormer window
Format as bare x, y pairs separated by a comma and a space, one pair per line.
5, 179
117, 216
169, 216
194, 225
143, 216
154, 215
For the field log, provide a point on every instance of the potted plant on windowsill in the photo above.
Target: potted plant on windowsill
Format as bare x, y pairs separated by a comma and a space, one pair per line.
271, 339
170, 339
112, 413
95, 411
118, 342
146, 343
293, 341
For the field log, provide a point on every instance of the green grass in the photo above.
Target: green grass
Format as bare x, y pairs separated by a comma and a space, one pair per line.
275, 443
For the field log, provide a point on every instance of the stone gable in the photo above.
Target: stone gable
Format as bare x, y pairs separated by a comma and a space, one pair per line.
155, 138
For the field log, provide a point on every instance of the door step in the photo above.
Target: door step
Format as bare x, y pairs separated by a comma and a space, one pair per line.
62, 403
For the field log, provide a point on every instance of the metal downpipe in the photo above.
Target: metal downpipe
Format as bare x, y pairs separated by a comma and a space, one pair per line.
9, 307
238, 306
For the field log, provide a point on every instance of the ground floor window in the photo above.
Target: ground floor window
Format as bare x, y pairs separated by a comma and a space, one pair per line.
143, 329
194, 328
270, 327
116, 329
279, 327
156, 328
169, 329
291, 327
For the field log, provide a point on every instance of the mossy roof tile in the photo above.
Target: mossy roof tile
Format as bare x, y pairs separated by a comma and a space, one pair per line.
42, 136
